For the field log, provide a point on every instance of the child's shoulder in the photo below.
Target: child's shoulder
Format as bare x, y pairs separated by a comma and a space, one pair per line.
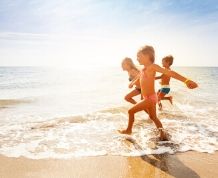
153, 66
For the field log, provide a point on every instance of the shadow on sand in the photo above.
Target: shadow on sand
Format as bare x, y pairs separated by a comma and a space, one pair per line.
169, 164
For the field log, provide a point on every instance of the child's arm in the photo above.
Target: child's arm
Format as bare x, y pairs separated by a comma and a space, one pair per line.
190, 84
132, 83
158, 77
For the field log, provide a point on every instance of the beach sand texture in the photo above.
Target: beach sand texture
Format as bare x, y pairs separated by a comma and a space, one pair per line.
181, 165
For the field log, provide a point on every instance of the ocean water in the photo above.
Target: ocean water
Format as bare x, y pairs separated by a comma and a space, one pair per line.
64, 113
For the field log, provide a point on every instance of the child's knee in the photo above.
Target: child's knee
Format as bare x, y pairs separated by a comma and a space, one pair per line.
159, 97
127, 98
131, 112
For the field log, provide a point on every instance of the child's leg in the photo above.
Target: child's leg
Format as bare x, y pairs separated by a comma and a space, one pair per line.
157, 122
136, 108
169, 98
160, 97
129, 96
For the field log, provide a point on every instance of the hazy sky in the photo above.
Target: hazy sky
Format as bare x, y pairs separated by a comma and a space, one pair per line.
91, 32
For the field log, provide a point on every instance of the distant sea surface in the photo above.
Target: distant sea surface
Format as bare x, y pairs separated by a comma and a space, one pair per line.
63, 113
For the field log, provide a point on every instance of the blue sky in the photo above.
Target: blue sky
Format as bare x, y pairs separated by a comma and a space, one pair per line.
83, 32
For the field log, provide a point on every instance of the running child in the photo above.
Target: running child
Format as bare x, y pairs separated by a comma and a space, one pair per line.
165, 82
146, 57
133, 72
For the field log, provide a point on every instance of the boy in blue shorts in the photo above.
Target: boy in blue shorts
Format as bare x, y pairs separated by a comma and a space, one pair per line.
165, 82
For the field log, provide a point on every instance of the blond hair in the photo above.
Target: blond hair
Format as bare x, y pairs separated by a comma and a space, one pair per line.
130, 63
148, 50
168, 59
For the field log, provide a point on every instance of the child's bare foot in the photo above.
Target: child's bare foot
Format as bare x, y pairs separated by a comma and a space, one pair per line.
163, 135
164, 138
171, 99
126, 131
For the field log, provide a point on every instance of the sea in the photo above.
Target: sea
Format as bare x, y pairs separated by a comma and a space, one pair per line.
62, 113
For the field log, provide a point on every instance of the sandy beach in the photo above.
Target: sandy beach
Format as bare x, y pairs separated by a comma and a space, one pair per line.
181, 165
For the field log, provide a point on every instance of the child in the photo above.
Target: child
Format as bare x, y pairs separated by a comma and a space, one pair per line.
133, 72
146, 57
165, 81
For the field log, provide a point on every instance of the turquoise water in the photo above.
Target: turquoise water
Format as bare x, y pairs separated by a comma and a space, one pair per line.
62, 113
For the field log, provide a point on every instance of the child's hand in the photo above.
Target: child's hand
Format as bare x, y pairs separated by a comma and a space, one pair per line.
190, 84
130, 85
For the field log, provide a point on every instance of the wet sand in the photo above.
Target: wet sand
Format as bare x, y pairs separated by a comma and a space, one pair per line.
181, 165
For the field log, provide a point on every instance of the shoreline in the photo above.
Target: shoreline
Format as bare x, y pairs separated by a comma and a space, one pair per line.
188, 165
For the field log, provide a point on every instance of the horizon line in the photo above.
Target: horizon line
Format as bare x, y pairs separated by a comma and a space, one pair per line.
50, 66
